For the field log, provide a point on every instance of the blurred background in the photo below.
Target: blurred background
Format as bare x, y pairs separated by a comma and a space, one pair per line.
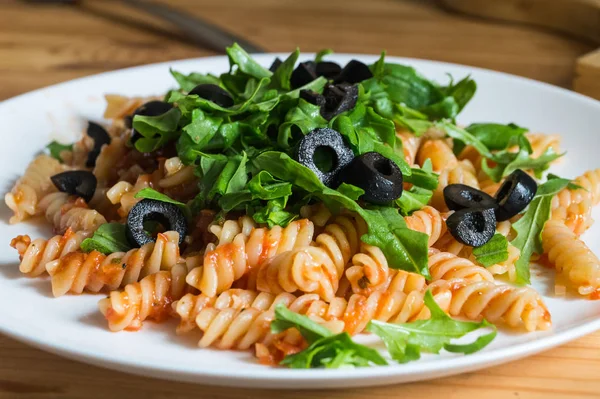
44, 42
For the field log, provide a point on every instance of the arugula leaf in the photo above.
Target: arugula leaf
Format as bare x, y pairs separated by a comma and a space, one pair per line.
238, 56
465, 137
273, 213
403, 84
188, 82
220, 175
55, 148
507, 162
157, 131
285, 319
252, 101
446, 108
493, 252
321, 54
109, 238
496, 136
571, 186
151, 193
299, 121
404, 248
462, 92
326, 349
350, 191
202, 128
335, 352
281, 77
413, 199
423, 177
529, 228
366, 131
406, 341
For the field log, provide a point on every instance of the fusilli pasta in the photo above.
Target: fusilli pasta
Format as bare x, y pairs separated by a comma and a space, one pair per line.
93, 272
571, 257
32, 187
229, 262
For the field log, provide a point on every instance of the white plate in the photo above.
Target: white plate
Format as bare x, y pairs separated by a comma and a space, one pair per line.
72, 326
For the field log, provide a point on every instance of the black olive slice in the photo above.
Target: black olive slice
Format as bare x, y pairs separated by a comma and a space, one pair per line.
312, 97
514, 194
328, 144
472, 226
76, 182
304, 73
461, 196
100, 137
276, 63
338, 98
354, 72
213, 93
169, 215
328, 69
379, 176
151, 108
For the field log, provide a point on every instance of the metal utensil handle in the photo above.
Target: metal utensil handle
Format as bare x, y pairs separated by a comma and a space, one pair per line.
198, 30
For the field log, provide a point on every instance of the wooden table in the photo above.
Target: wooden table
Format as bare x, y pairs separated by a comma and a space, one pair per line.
43, 44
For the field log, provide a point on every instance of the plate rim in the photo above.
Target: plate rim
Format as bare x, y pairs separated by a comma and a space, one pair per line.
278, 377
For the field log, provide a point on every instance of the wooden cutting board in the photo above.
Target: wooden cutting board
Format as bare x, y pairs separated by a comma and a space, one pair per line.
580, 18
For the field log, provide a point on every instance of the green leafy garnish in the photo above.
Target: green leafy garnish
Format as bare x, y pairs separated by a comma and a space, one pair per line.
156, 131
325, 349
55, 148
322, 54
152, 194
507, 162
529, 228
109, 238
492, 252
406, 341
188, 82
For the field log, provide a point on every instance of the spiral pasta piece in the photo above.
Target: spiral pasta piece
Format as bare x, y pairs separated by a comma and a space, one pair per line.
229, 262
447, 266
93, 272
515, 306
370, 272
571, 257
317, 213
317, 268
150, 298
240, 329
226, 232
427, 220
410, 145
65, 212
32, 187
341, 240
190, 305
439, 153
123, 193
178, 180
309, 269
573, 207
462, 173
34, 255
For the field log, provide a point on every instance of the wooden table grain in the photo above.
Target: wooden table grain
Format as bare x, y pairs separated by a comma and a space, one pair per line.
46, 44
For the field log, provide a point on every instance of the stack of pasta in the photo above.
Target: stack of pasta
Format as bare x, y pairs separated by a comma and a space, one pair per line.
229, 274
